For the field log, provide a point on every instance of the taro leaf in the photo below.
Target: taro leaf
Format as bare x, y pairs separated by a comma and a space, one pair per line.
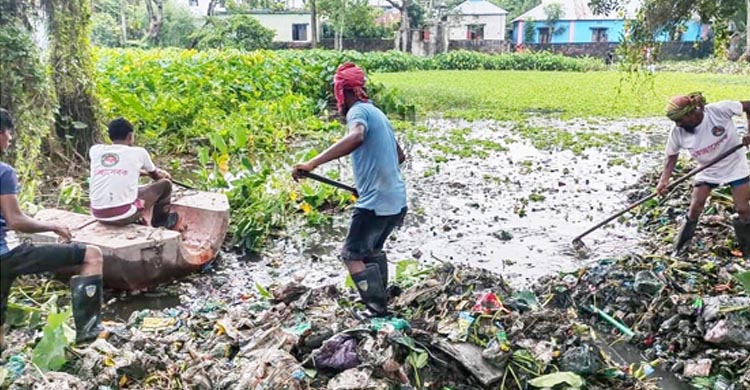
551, 380
218, 142
203, 156
744, 278
49, 353
406, 269
263, 292
528, 297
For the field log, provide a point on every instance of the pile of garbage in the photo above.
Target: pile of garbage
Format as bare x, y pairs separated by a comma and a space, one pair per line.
452, 328
689, 315
690, 319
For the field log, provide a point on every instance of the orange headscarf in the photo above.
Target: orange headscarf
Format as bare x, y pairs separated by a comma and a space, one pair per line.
349, 76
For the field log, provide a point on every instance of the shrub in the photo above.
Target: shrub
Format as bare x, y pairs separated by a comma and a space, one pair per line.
235, 32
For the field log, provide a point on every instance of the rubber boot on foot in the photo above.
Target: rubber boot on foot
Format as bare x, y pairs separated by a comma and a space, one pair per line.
86, 294
169, 222
685, 236
370, 286
742, 231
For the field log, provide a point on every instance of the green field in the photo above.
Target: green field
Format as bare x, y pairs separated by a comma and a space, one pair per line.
512, 94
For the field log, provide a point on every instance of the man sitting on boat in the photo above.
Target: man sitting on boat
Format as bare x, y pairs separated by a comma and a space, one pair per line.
115, 196
28, 258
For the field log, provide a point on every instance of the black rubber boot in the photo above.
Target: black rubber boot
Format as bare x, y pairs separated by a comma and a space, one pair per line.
370, 286
685, 236
86, 294
381, 260
168, 222
742, 231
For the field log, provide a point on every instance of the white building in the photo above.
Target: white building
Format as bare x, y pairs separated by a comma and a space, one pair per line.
477, 20
199, 8
290, 26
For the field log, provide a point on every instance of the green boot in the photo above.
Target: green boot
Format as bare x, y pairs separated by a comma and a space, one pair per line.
86, 294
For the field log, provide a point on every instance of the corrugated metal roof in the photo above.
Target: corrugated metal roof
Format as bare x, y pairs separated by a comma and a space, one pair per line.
580, 10
478, 7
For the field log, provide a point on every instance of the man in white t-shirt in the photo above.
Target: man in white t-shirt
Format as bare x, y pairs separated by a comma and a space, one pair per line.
707, 131
115, 196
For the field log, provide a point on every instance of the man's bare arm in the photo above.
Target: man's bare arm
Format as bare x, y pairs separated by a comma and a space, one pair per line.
17, 220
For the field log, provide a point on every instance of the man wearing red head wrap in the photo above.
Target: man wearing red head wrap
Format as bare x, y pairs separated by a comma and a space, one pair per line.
707, 131
349, 77
381, 204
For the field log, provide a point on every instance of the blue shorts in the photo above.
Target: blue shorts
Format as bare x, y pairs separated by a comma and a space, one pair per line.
732, 184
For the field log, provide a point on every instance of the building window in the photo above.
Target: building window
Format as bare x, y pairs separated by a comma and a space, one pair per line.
475, 32
599, 35
193, 3
299, 32
544, 35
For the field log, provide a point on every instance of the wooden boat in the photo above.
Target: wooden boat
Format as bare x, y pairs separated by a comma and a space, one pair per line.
138, 257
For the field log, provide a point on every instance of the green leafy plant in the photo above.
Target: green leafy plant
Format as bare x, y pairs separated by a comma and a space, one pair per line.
49, 353
551, 380
744, 279
417, 360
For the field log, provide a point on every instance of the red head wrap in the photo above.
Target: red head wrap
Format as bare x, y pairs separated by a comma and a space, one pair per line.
349, 76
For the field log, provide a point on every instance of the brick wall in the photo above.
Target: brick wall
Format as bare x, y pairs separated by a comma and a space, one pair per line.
481, 46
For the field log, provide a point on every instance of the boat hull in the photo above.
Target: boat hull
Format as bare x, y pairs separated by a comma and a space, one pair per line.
138, 257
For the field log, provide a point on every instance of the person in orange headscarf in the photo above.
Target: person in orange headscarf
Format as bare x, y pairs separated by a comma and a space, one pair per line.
707, 131
381, 203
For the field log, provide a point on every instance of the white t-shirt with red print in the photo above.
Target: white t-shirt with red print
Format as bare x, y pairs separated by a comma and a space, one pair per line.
715, 135
115, 170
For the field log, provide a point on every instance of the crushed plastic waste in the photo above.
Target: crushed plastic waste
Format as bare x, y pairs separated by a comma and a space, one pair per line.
310, 338
690, 315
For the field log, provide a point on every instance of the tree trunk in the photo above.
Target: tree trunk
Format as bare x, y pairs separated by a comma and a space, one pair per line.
25, 92
400, 42
155, 17
747, 32
123, 21
406, 29
77, 122
212, 7
314, 23
340, 28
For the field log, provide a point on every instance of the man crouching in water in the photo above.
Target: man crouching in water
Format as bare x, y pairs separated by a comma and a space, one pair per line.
27, 258
707, 131
381, 205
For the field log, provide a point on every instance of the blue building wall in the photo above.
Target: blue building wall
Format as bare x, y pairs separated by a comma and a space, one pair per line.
582, 31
